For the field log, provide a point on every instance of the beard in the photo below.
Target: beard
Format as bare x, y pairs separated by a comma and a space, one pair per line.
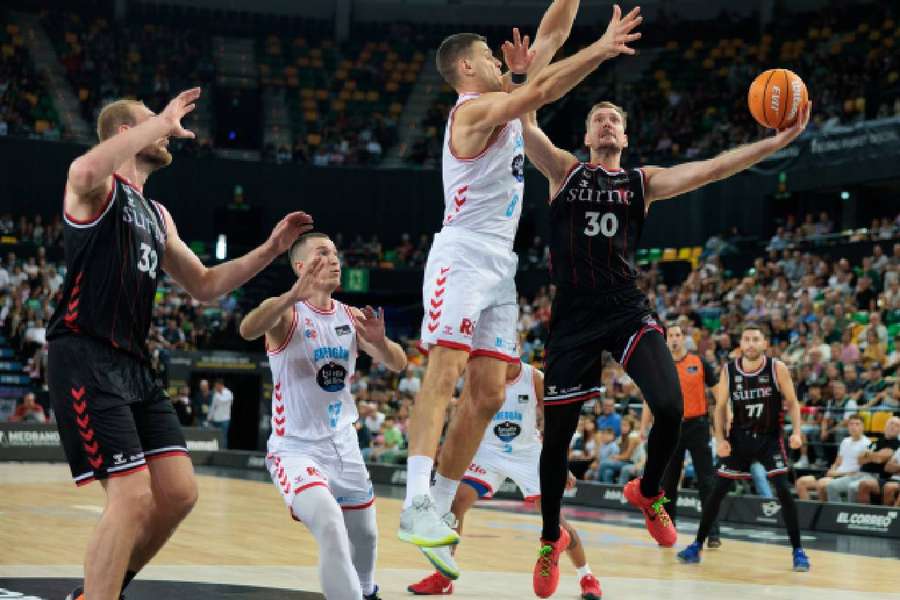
155, 156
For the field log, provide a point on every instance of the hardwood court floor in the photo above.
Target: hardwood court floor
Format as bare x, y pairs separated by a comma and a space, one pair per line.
240, 533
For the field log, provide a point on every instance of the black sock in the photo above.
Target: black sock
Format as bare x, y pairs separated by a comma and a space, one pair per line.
560, 423
711, 508
129, 575
650, 366
788, 509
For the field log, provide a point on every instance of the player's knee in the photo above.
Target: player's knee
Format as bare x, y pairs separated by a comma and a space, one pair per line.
180, 501
367, 534
136, 500
487, 400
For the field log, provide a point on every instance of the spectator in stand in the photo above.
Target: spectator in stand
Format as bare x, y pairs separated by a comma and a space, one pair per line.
609, 418
182, 404
891, 492
844, 476
874, 461
630, 439
220, 410
409, 384
29, 411
200, 403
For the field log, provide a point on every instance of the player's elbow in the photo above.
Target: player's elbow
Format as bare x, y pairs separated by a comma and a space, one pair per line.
82, 177
245, 331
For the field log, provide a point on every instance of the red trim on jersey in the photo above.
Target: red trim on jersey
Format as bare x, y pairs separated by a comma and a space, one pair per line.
519, 376
290, 334
490, 489
319, 311
564, 181
493, 354
740, 367
359, 506
309, 485
138, 188
100, 212
167, 453
490, 142
581, 398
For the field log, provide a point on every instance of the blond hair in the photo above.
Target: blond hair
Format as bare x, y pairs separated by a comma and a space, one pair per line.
115, 114
606, 104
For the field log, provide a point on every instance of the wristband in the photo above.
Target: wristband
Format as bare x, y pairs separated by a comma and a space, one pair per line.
518, 78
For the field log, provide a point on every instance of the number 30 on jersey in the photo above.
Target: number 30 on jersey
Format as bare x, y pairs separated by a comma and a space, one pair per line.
608, 224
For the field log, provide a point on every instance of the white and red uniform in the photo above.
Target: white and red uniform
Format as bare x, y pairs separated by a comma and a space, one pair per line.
313, 441
511, 447
469, 292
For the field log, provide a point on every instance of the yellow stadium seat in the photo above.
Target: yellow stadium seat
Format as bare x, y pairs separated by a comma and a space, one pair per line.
684, 254
879, 420
669, 254
866, 417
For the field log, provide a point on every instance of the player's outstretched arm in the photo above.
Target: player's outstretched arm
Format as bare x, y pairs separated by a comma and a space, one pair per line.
665, 183
90, 174
372, 339
552, 33
496, 108
554, 163
273, 316
207, 283
786, 385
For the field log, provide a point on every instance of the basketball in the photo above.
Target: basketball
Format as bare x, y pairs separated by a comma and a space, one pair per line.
775, 98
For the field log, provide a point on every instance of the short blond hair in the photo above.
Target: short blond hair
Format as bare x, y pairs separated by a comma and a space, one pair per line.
606, 104
115, 114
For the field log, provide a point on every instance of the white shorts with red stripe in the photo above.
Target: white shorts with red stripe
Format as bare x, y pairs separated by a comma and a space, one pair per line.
491, 466
335, 463
469, 295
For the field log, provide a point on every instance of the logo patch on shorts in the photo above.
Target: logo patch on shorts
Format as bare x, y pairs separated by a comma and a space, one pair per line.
466, 326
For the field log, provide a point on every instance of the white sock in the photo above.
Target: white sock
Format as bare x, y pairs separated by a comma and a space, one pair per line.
418, 477
582, 571
363, 533
319, 511
443, 492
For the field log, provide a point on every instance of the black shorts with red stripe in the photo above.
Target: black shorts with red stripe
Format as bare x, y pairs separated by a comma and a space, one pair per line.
582, 326
112, 415
747, 448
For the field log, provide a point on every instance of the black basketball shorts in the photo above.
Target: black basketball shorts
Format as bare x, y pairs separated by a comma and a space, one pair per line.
748, 447
582, 327
111, 414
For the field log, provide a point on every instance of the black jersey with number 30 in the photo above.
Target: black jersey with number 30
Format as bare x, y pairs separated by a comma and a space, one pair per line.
596, 221
756, 402
113, 262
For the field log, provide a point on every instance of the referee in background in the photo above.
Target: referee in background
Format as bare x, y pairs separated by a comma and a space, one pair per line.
695, 375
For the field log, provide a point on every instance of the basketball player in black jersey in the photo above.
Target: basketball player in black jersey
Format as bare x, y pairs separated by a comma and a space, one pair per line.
753, 393
597, 214
116, 424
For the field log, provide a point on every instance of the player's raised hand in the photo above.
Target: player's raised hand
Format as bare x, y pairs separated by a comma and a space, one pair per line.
371, 327
723, 448
176, 110
288, 229
305, 285
789, 134
516, 54
619, 32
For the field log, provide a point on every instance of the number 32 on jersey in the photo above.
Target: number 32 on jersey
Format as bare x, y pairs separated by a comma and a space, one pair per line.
608, 224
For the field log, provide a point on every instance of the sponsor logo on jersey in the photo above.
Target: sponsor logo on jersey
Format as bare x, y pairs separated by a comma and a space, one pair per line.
508, 415
477, 469
131, 213
466, 327
764, 379
692, 369
751, 394
311, 334
507, 431
332, 352
332, 377
620, 197
523, 398
342, 330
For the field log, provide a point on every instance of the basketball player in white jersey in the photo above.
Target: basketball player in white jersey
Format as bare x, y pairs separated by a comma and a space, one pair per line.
313, 453
511, 449
469, 291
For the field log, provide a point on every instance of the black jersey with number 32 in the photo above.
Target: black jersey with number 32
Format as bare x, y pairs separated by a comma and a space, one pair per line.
596, 221
113, 262
756, 402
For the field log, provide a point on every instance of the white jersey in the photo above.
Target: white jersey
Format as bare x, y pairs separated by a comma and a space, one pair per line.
483, 194
311, 373
514, 427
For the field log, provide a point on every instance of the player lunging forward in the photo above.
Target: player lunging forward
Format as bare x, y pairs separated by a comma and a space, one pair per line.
313, 453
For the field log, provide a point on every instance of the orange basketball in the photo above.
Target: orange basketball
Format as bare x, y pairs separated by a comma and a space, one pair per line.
775, 98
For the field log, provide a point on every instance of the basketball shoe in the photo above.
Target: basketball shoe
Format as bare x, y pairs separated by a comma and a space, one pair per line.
442, 559
545, 578
590, 588
801, 561
691, 554
659, 524
420, 524
433, 585
78, 594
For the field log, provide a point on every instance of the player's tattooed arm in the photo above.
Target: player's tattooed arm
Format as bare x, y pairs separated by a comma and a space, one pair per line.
370, 333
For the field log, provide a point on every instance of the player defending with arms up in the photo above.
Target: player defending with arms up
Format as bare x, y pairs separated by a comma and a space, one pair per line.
597, 212
116, 424
755, 390
313, 453
469, 290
